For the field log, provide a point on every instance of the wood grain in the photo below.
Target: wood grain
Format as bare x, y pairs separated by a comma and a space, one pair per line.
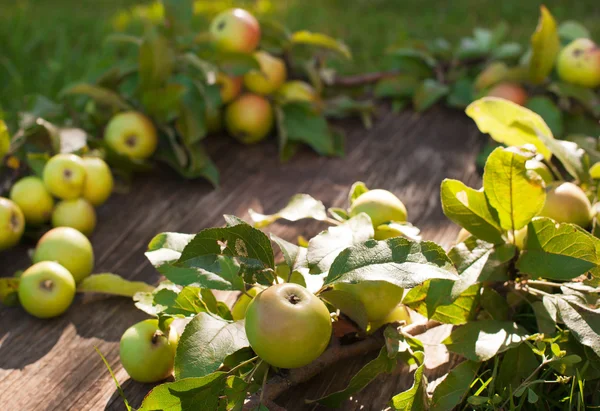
52, 365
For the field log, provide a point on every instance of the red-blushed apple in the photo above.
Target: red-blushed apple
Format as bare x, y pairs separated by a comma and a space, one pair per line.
235, 30
288, 326
12, 223
131, 134
381, 205
567, 203
69, 248
269, 78
579, 63
64, 176
147, 354
249, 118
509, 91
230, 87
99, 181
78, 214
46, 289
34, 200
296, 91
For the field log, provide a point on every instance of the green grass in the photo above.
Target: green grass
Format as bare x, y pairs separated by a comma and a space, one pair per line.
45, 45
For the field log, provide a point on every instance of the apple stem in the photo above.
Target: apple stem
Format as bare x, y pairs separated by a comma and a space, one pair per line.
47, 285
240, 365
247, 295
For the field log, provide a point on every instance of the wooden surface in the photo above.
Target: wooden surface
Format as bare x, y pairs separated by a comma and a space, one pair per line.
52, 365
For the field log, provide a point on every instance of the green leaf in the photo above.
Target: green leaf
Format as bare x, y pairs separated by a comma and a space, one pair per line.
583, 95
549, 112
504, 120
321, 40
452, 390
573, 158
186, 394
356, 190
300, 206
303, 124
571, 30
205, 343
4, 140
295, 256
557, 251
156, 61
234, 64
545, 46
583, 322
431, 299
482, 340
517, 364
100, 95
326, 246
462, 93
429, 92
415, 398
187, 303
112, 284
494, 304
400, 86
396, 260
412, 62
517, 194
383, 364
470, 209
545, 322
164, 103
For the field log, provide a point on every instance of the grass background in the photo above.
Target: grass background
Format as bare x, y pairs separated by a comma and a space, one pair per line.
48, 44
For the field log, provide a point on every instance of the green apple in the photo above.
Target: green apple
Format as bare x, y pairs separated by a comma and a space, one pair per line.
64, 176
288, 326
78, 214
381, 205
69, 248
540, 168
567, 203
509, 91
131, 134
12, 223
46, 289
296, 91
99, 181
462, 236
235, 30
398, 314
147, 354
238, 311
269, 78
34, 200
379, 298
579, 63
249, 119
230, 87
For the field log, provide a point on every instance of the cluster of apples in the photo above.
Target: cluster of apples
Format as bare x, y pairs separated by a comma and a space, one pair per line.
577, 63
248, 113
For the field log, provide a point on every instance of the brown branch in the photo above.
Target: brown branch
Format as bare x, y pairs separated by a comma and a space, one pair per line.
362, 79
282, 382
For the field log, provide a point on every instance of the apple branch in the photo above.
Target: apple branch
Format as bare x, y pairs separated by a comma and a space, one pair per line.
336, 352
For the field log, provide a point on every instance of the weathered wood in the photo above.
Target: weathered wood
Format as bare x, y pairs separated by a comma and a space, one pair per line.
52, 365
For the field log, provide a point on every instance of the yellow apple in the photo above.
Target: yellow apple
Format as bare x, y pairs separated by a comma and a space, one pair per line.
381, 205
78, 214
99, 181
269, 78
12, 223
567, 203
579, 63
249, 118
64, 176
131, 134
34, 200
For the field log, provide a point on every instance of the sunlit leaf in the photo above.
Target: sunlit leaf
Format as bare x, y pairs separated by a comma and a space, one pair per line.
545, 45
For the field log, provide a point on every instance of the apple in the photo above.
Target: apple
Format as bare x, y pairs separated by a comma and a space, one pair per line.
46, 289
131, 134
64, 176
567, 203
12, 223
99, 181
34, 200
509, 91
540, 168
462, 236
381, 205
78, 214
230, 87
520, 238
379, 298
398, 314
238, 311
269, 78
296, 91
69, 248
147, 354
579, 63
235, 30
249, 118
288, 326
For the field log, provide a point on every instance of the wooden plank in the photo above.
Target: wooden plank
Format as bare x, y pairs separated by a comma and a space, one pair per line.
52, 365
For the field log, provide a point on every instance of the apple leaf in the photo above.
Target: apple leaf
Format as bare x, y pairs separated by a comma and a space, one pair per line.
412, 62
517, 194
470, 209
321, 40
100, 95
400, 86
295, 256
205, 343
517, 364
502, 120
383, 364
415, 398
357, 189
163, 103
302, 124
431, 299
583, 322
325, 247
428, 93
167, 247
349, 304
547, 109
558, 251
186, 394
452, 390
397, 260
156, 61
112, 284
583, 95
494, 304
482, 340
300, 206
574, 158
545, 46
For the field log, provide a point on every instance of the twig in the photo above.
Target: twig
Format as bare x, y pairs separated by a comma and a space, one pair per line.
362, 79
282, 382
